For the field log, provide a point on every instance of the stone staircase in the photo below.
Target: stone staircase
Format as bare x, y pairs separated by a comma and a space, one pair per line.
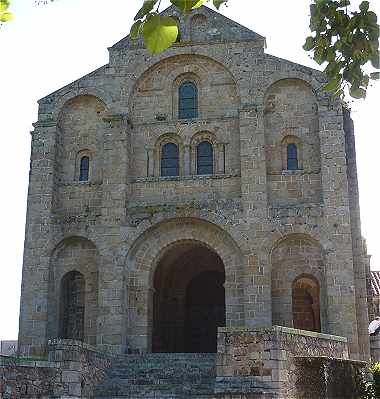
160, 376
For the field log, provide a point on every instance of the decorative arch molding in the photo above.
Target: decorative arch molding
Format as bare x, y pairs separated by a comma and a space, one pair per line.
98, 94
203, 136
308, 80
143, 69
220, 221
170, 231
145, 255
317, 234
67, 240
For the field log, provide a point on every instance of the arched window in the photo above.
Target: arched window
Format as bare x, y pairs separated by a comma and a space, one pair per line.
72, 306
84, 168
292, 156
170, 160
188, 101
205, 158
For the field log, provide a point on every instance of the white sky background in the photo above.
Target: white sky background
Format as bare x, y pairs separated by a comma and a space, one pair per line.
47, 47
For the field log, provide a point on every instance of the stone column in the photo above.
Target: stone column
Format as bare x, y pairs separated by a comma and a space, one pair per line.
359, 252
188, 170
38, 241
221, 160
111, 332
140, 315
339, 268
254, 200
150, 162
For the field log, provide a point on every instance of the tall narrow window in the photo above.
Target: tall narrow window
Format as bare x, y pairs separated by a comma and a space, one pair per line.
188, 101
72, 306
292, 157
170, 160
84, 168
205, 158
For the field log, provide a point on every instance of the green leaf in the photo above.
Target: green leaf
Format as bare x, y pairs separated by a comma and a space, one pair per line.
4, 4
365, 81
319, 55
159, 33
6, 17
357, 92
330, 54
375, 75
364, 6
333, 85
218, 3
187, 5
146, 8
309, 44
372, 17
333, 69
135, 30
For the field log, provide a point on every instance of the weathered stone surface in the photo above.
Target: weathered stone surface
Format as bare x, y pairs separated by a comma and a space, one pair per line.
288, 239
72, 370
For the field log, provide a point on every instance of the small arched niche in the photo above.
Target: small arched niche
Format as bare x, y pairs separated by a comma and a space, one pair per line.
198, 28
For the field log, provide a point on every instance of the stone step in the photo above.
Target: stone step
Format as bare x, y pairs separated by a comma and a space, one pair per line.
160, 376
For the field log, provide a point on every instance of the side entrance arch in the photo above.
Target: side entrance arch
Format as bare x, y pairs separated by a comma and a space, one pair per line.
184, 278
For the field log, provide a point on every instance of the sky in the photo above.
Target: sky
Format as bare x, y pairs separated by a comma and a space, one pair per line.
49, 46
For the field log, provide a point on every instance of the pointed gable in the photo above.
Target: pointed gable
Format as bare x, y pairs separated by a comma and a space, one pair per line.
202, 25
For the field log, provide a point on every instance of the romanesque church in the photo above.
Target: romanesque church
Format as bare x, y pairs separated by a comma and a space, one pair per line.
213, 185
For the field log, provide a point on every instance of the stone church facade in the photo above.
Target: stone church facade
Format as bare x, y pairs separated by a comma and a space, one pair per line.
211, 185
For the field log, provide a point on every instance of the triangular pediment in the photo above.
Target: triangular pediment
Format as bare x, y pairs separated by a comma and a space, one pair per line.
202, 25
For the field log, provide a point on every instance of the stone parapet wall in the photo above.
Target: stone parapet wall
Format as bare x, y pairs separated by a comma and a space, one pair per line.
73, 369
28, 380
276, 362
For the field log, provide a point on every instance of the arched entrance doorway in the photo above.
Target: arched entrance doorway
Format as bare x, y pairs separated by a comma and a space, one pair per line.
305, 304
189, 299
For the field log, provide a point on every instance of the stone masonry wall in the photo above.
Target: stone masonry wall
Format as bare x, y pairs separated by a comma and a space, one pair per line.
274, 362
128, 215
291, 116
73, 369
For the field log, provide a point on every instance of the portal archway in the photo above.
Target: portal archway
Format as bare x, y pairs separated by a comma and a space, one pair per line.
189, 299
163, 241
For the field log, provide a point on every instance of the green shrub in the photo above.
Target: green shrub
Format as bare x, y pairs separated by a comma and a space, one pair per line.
371, 389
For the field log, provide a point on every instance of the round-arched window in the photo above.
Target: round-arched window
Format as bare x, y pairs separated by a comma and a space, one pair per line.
84, 168
188, 101
205, 158
292, 157
170, 160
